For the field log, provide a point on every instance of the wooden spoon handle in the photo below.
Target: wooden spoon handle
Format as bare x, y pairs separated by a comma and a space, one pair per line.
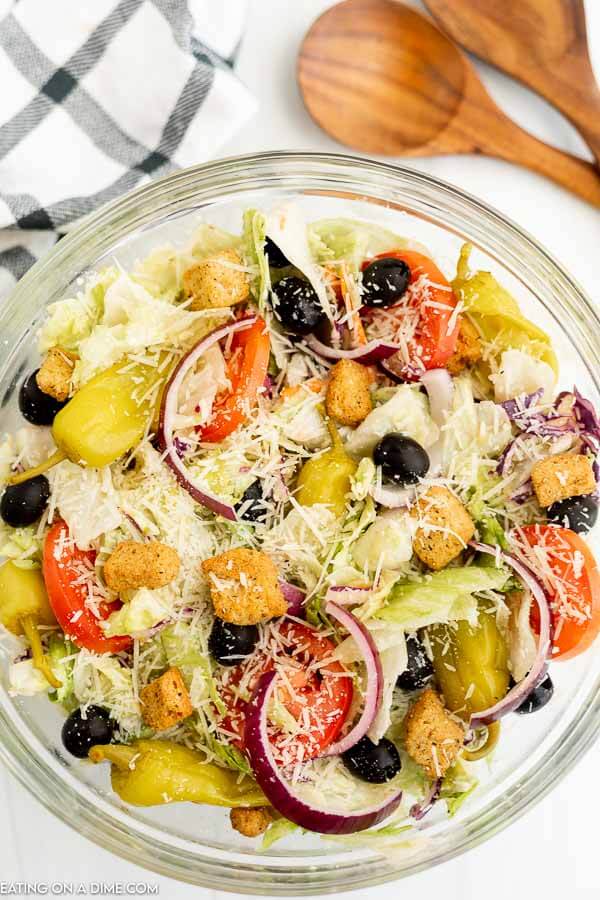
583, 110
518, 146
481, 126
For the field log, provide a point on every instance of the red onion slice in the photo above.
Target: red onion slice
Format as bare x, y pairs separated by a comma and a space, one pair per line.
440, 390
374, 685
168, 410
369, 354
280, 795
419, 810
295, 598
520, 691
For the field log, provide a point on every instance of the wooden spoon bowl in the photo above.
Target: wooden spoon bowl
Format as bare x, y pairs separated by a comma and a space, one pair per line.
380, 77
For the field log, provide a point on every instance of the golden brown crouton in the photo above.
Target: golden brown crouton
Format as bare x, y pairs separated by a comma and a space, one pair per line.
433, 738
165, 701
444, 529
55, 373
558, 477
217, 282
133, 564
468, 348
251, 822
348, 397
244, 586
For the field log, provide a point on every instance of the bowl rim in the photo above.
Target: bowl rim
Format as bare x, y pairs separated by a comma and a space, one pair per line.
105, 830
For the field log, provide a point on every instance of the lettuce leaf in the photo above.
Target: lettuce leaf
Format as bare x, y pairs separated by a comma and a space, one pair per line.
276, 831
441, 597
353, 240
253, 251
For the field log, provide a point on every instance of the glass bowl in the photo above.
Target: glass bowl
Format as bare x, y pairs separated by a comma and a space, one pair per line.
196, 844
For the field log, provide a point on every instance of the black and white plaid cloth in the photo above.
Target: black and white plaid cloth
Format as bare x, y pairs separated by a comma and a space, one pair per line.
98, 96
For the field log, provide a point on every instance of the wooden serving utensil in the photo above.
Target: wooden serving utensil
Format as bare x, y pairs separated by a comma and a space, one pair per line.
380, 77
543, 43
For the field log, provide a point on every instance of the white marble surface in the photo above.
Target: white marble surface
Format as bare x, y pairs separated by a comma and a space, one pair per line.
552, 851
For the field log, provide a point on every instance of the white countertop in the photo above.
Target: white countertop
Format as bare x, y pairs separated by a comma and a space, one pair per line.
550, 852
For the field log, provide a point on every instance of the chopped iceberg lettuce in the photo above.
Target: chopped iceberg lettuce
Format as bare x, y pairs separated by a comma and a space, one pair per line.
144, 610
457, 786
253, 251
521, 373
441, 597
387, 543
276, 831
61, 653
289, 232
73, 319
497, 315
86, 499
353, 241
132, 321
24, 680
105, 681
406, 411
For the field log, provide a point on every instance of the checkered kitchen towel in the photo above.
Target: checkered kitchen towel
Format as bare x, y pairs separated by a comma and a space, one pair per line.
98, 96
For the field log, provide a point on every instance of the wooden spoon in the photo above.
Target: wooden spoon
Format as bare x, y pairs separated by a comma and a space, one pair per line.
543, 43
380, 77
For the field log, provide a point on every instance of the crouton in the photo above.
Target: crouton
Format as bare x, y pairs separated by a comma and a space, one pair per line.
433, 738
348, 397
558, 477
133, 565
244, 586
55, 373
217, 282
444, 529
468, 348
165, 701
251, 822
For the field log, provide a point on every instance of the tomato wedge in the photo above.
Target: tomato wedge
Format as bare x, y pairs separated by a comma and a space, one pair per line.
317, 698
436, 332
247, 369
570, 576
62, 567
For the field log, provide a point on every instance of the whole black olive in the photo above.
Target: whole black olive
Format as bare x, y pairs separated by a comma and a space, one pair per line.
80, 734
419, 668
385, 281
402, 460
375, 763
538, 697
296, 305
252, 504
229, 644
277, 259
23, 504
577, 513
36, 406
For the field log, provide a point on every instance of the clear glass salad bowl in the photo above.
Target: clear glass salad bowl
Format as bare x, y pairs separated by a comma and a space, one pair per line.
196, 844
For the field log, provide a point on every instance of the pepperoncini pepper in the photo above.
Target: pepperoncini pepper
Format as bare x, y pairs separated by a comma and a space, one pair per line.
23, 607
326, 478
153, 772
471, 668
104, 419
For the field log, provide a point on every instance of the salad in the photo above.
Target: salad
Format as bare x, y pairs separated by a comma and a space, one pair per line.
293, 522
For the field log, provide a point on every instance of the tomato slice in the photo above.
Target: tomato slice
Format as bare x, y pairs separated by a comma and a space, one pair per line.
431, 297
62, 566
318, 699
566, 566
247, 369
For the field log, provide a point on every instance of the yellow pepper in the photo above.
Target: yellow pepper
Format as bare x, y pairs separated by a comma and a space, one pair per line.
471, 669
105, 418
23, 607
150, 773
326, 478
